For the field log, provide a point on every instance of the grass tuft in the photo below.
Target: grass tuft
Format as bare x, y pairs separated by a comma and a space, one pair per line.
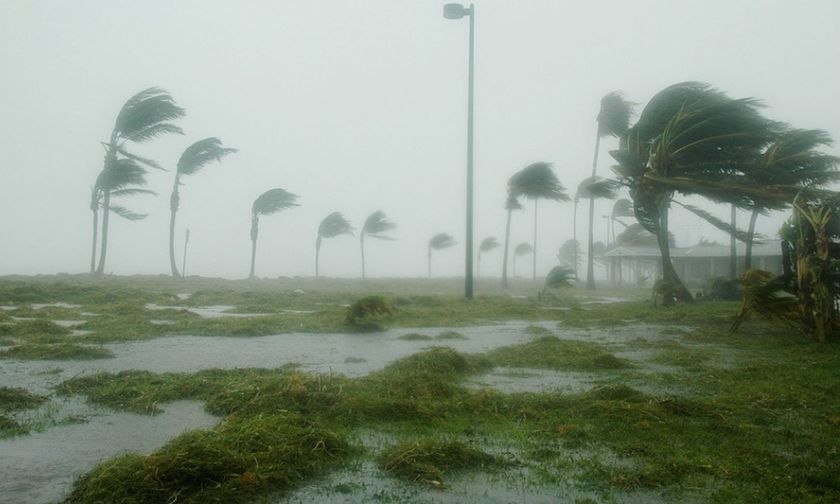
59, 351
428, 461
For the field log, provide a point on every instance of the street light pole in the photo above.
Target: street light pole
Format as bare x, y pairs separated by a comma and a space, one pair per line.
458, 11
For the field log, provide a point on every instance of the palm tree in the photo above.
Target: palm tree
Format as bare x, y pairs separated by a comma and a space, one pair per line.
689, 139
521, 250
375, 226
193, 159
613, 120
568, 254
537, 181
269, 202
143, 117
439, 241
593, 188
333, 225
487, 245
511, 204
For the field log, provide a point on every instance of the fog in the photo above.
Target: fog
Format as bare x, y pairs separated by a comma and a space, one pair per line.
358, 106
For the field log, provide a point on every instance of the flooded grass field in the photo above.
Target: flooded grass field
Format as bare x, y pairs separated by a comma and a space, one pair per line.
148, 390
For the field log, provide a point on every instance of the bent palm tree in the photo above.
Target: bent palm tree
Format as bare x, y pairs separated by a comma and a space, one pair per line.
511, 204
487, 245
593, 188
439, 241
143, 117
537, 181
333, 225
568, 254
269, 202
193, 159
375, 226
521, 250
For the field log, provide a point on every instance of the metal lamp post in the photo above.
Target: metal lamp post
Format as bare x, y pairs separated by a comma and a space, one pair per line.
458, 11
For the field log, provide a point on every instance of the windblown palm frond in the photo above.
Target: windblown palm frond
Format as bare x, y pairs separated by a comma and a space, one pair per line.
197, 155
740, 234
126, 213
488, 244
622, 208
140, 159
273, 200
376, 224
614, 115
145, 116
132, 191
512, 203
120, 174
441, 241
597, 188
570, 252
705, 242
334, 225
537, 181
768, 295
560, 276
523, 249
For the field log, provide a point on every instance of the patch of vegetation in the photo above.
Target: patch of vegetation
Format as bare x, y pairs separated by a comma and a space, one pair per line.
6, 342
59, 351
551, 352
537, 330
429, 460
367, 313
415, 337
234, 462
35, 331
16, 399
10, 427
450, 335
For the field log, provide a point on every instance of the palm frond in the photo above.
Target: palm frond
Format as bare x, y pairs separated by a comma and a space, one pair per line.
560, 276
132, 191
512, 203
537, 181
334, 225
569, 252
273, 200
614, 115
523, 249
726, 227
597, 188
441, 241
126, 213
197, 155
488, 244
376, 224
120, 174
622, 208
148, 162
146, 115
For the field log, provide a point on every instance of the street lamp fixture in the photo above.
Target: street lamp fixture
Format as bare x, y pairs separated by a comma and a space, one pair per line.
458, 11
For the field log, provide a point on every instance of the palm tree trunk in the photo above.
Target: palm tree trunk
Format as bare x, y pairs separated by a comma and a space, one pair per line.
750, 236
590, 259
574, 234
430, 262
673, 286
534, 268
95, 208
478, 265
184, 262
362, 248
733, 251
507, 246
106, 211
254, 234
173, 208
317, 254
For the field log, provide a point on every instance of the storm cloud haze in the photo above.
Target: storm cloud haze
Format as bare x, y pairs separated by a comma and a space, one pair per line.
358, 106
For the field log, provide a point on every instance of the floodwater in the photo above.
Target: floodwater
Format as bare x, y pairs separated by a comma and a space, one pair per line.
41, 466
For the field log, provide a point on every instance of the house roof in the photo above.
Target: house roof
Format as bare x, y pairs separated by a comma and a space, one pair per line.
768, 248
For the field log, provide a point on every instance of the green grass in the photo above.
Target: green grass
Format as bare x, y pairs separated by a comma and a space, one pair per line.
429, 461
16, 399
551, 352
59, 351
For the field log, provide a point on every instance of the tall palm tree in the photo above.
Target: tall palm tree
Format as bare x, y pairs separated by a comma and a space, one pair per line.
375, 226
521, 250
193, 159
439, 241
622, 208
537, 181
333, 225
613, 120
269, 202
511, 204
486, 245
593, 188
143, 117
689, 139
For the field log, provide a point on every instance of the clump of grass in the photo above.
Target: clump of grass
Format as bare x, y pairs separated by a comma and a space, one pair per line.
60, 351
685, 356
238, 460
450, 335
6, 342
428, 460
15, 399
415, 337
367, 313
9, 427
35, 331
551, 352
537, 330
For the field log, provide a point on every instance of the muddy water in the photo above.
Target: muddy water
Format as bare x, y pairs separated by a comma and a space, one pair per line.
41, 467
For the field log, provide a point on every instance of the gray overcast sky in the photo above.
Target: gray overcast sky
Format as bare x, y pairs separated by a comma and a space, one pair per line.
360, 105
